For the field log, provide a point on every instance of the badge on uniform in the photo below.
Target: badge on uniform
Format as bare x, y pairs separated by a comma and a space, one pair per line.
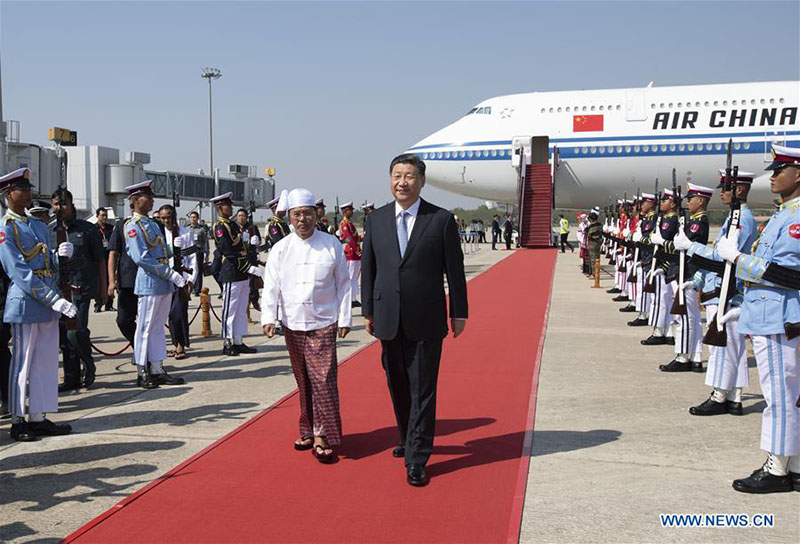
132, 233
2, 237
694, 227
794, 231
219, 232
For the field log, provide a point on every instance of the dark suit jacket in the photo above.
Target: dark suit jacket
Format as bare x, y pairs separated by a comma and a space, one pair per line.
411, 290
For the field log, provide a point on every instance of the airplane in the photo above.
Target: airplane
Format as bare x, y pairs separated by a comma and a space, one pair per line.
610, 142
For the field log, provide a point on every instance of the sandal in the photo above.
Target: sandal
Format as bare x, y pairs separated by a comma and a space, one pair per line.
170, 353
322, 457
179, 355
304, 443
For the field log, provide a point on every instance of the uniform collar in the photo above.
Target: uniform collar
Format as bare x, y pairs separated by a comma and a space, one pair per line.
17, 216
224, 219
137, 215
790, 203
670, 214
698, 215
651, 213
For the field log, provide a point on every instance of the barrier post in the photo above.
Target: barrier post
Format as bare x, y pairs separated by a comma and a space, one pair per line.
596, 274
205, 305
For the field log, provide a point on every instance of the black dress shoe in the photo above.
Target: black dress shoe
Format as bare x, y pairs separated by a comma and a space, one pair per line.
399, 451
416, 475
48, 428
88, 375
628, 308
670, 340
229, 350
69, 386
709, 407
653, 340
620, 298
613, 291
676, 366
166, 379
146, 381
241, 348
762, 481
21, 432
638, 322
795, 476
735, 409
697, 366
356, 304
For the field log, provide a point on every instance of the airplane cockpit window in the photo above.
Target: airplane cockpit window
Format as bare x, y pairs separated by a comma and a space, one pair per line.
487, 110
473, 110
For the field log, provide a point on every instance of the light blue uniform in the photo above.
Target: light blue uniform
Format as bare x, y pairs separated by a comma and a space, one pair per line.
32, 268
147, 248
766, 306
707, 281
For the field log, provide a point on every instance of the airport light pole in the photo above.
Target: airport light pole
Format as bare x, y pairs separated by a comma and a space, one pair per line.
209, 74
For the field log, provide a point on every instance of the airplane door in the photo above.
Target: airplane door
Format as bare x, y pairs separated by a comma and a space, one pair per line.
635, 109
520, 151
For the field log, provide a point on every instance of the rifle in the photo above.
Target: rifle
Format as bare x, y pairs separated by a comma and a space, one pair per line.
632, 277
716, 334
612, 255
649, 284
679, 302
336, 216
623, 266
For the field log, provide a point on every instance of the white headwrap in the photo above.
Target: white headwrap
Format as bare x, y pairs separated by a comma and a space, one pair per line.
299, 198
282, 202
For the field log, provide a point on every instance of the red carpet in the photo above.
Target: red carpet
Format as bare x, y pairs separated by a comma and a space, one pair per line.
251, 486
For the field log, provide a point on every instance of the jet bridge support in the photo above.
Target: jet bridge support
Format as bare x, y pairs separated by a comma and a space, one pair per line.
535, 191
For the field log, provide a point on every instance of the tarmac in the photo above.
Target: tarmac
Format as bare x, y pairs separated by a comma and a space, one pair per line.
613, 446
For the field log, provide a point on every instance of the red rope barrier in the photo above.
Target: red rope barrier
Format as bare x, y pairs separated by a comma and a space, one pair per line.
194, 316
101, 352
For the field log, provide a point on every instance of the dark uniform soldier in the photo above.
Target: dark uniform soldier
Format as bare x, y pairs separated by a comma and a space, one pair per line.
91, 279
105, 235
253, 244
234, 275
666, 266
122, 280
276, 226
641, 238
322, 221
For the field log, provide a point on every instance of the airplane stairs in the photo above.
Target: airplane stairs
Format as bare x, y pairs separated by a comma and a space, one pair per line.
536, 217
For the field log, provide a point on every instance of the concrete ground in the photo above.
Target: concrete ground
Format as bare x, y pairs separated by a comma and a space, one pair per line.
125, 437
614, 445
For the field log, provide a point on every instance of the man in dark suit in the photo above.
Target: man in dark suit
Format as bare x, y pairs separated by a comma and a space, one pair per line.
410, 245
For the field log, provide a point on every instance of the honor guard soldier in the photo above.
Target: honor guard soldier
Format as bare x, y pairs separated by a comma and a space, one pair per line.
727, 366
630, 253
641, 241
40, 209
619, 263
352, 249
322, 221
367, 208
276, 226
666, 261
122, 273
689, 330
32, 308
770, 314
155, 283
234, 276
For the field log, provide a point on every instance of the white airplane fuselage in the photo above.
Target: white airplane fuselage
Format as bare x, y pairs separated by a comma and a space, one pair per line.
612, 142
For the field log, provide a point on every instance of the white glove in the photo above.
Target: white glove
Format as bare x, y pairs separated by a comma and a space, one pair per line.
177, 242
255, 271
681, 241
658, 272
605, 229
616, 231
65, 307
65, 249
687, 285
245, 237
255, 241
656, 238
637, 236
730, 315
177, 279
728, 247
626, 232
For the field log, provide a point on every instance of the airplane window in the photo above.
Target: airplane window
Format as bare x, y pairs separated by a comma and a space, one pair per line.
446, 154
691, 147
593, 150
724, 102
680, 104
681, 147
771, 101
671, 148
781, 100
584, 150
462, 154
708, 147
601, 108
473, 110
543, 110
592, 108
479, 111
737, 145
718, 147
747, 145
584, 108
662, 105
425, 156
763, 101
697, 104
493, 152
671, 105
733, 103
646, 149
439, 155
716, 102
487, 110
705, 103
602, 149
551, 110
652, 106
637, 148
469, 154
627, 149
559, 110
619, 149
663, 148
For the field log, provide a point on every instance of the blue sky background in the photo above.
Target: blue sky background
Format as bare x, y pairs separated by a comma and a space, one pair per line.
328, 92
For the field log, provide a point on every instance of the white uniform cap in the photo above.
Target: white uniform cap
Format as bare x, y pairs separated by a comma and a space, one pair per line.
368, 205
667, 192
346, 205
648, 196
273, 202
692, 189
141, 187
784, 156
741, 175
320, 202
283, 202
222, 198
299, 198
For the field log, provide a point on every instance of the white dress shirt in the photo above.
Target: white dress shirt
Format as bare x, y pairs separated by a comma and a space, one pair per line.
310, 282
413, 210
190, 261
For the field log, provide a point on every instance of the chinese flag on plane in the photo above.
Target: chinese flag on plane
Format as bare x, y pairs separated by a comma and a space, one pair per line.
587, 123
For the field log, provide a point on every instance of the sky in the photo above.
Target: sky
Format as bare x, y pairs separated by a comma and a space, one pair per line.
328, 92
